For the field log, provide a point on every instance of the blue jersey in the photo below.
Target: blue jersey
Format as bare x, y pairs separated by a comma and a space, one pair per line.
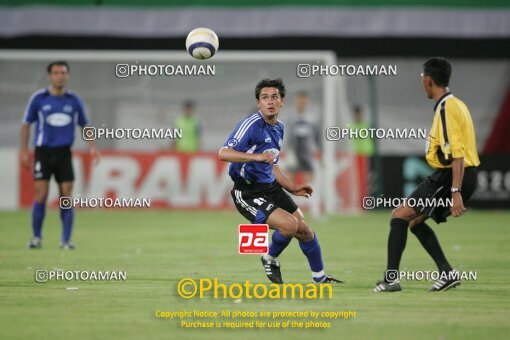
254, 135
55, 117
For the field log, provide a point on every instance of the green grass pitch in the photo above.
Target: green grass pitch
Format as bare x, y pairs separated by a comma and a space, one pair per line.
158, 248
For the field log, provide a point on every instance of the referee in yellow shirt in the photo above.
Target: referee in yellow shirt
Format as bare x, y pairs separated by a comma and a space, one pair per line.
451, 150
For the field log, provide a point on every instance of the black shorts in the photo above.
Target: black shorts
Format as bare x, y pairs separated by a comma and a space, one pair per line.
438, 186
49, 161
256, 202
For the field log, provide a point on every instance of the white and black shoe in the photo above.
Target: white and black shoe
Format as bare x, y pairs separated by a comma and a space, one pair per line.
272, 269
35, 243
447, 281
387, 287
328, 279
67, 246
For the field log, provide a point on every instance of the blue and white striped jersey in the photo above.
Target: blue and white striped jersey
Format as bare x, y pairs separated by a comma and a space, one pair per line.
254, 135
56, 117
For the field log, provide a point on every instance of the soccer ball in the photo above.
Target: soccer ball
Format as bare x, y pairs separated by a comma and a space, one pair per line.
202, 43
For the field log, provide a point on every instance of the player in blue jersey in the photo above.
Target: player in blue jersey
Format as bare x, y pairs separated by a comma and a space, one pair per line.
55, 113
253, 150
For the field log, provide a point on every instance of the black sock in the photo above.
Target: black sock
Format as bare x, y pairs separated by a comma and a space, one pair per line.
396, 242
429, 241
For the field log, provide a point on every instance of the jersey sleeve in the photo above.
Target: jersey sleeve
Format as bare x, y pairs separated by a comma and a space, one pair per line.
277, 155
30, 115
83, 120
240, 139
451, 137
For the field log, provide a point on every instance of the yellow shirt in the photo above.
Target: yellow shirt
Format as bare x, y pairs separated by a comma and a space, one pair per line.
190, 141
452, 134
362, 146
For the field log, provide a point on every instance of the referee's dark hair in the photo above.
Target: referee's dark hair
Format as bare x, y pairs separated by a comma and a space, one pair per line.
277, 83
439, 69
59, 63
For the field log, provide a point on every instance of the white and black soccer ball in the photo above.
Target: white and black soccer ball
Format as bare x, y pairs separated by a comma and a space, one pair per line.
202, 43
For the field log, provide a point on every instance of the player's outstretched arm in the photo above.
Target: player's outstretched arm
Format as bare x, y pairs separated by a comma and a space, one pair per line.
24, 153
234, 156
298, 190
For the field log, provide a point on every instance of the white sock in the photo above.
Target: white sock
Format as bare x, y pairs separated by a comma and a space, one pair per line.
269, 257
318, 275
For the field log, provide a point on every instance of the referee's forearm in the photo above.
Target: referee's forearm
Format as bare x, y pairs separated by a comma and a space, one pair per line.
457, 172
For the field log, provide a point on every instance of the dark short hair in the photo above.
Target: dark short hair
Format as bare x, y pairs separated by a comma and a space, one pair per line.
188, 104
59, 63
302, 93
277, 83
357, 108
439, 69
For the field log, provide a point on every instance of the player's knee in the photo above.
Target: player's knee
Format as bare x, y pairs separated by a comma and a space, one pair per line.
290, 226
304, 231
416, 221
66, 193
66, 190
41, 196
306, 234
399, 213
300, 220
404, 213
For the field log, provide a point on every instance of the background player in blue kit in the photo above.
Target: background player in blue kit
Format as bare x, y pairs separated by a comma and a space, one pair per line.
56, 112
253, 150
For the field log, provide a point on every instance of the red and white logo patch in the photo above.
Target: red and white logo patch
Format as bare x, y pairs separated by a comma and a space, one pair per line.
253, 238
